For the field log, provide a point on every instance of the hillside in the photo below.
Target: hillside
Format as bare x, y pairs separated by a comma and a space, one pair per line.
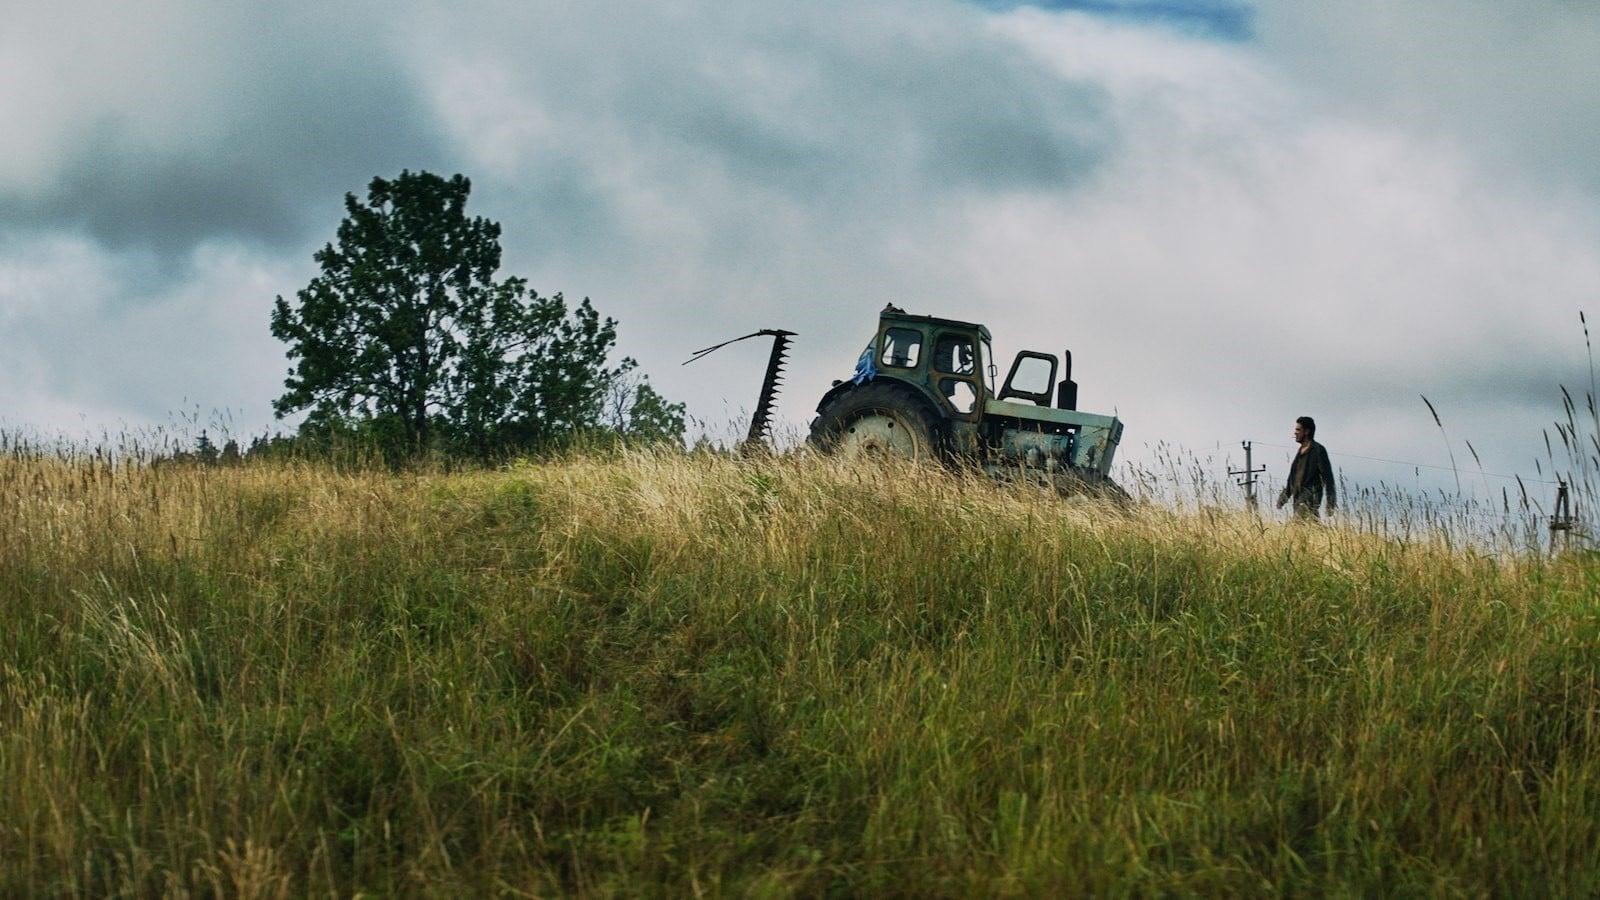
694, 675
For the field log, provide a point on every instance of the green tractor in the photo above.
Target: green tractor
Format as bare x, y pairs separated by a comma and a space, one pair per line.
920, 391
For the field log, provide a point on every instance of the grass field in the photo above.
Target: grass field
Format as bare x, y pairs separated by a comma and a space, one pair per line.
695, 675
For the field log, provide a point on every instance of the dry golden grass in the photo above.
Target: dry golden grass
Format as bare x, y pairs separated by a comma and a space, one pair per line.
670, 674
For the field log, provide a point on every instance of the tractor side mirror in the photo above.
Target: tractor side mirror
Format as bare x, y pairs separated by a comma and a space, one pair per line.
1067, 391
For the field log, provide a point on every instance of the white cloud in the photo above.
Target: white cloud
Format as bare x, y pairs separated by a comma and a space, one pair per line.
1518, 82
1249, 255
698, 171
1227, 235
83, 351
1232, 252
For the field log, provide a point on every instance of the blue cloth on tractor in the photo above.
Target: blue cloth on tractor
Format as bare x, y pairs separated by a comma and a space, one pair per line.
866, 369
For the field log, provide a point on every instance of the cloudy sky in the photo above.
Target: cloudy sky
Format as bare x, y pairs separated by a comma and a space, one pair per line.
1232, 213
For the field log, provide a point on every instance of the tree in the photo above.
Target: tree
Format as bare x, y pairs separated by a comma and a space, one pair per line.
204, 450
638, 414
408, 333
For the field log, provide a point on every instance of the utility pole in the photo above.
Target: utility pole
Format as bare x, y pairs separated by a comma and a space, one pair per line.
1248, 482
1561, 519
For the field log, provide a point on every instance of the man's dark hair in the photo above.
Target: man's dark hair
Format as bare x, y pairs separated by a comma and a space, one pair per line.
1309, 424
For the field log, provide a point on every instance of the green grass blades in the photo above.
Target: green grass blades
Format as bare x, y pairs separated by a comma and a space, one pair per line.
699, 675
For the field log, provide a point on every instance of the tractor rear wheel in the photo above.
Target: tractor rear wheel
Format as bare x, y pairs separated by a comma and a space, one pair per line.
879, 417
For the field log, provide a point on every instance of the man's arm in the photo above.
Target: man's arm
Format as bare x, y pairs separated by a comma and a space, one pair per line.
1288, 481
1327, 477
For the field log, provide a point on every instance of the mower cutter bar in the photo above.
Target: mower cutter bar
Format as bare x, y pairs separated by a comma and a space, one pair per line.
762, 419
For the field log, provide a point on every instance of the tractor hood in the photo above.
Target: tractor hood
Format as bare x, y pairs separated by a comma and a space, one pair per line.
1097, 436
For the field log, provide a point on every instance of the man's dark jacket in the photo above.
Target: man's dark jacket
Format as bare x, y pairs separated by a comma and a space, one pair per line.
1309, 476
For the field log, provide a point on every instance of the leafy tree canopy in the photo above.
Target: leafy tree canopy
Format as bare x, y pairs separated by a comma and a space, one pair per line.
408, 334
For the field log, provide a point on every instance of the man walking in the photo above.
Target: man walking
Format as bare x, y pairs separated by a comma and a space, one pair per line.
1311, 475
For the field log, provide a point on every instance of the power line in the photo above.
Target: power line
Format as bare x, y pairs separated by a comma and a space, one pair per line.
1418, 465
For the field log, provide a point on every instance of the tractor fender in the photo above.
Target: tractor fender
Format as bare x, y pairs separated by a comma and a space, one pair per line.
834, 393
920, 390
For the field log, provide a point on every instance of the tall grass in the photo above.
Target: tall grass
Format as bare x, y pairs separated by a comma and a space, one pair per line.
695, 674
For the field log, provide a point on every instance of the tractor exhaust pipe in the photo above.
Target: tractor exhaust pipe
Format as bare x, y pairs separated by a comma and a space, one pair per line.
1067, 391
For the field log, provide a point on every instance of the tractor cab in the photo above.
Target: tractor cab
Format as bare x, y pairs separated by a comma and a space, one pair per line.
942, 358
939, 376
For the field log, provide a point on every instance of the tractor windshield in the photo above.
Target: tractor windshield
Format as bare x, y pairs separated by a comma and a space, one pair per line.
902, 347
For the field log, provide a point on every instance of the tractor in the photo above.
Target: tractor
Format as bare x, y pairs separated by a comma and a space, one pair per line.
920, 391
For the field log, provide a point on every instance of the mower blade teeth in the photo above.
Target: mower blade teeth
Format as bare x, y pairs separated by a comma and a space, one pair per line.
762, 419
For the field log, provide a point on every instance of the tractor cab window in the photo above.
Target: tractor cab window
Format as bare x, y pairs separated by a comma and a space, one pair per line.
953, 354
902, 347
1032, 378
960, 393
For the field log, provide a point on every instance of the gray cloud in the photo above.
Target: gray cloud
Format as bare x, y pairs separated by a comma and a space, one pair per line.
657, 159
831, 105
201, 123
1221, 246
1518, 82
770, 162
